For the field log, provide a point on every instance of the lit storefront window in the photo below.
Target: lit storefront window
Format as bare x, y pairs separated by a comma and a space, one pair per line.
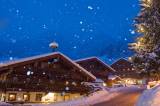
50, 97
26, 97
12, 97
66, 97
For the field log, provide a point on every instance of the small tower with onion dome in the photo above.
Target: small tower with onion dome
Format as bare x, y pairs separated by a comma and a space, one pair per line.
53, 45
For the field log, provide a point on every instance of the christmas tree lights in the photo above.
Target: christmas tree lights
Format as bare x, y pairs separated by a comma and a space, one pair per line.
147, 44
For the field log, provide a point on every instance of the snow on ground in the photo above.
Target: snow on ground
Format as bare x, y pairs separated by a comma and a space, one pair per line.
5, 104
150, 97
94, 98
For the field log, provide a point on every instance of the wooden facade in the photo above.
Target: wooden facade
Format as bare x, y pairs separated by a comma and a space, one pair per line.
97, 67
50, 73
124, 69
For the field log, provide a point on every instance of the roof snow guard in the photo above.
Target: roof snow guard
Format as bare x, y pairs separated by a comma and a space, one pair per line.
44, 57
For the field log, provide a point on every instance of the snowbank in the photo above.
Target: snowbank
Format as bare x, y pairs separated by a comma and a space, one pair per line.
150, 97
94, 98
84, 101
5, 104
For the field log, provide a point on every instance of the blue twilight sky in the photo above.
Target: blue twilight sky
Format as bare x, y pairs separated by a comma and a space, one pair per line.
82, 28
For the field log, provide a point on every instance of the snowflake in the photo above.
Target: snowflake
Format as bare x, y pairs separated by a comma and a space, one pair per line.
44, 26
110, 59
127, 19
65, 5
91, 30
75, 47
28, 73
124, 51
133, 5
76, 36
83, 40
10, 58
125, 39
17, 11
19, 28
91, 38
81, 22
98, 8
133, 32
90, 7
82, 29
13, 40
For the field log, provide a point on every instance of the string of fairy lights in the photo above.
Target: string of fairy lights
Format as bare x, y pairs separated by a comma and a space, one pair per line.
141, 28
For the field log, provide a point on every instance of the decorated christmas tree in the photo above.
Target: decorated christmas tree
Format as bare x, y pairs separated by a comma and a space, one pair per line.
147, 44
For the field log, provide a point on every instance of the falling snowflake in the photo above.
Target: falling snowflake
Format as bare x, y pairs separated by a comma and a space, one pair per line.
91, 38
81, 22
44, 26
17, 11
125, 39
19, 28
98, 8
76, 36
10, 58
75, 47
124, 51
82, 29
28, 73
13, 41
90, 7
127, 19
91, 30
133, 32
65, 5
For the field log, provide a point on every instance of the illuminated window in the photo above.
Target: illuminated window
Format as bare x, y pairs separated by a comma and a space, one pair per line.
26, 97
66, 97
39, 97
12, 97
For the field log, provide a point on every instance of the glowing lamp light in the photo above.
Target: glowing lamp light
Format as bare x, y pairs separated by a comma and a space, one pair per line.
104, 84
146, 3
19, 99
130, 58
48, 97
67, 82
141, 28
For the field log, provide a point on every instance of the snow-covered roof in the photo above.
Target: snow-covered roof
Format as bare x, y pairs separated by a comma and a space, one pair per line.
43, 57
119, 60
97, 60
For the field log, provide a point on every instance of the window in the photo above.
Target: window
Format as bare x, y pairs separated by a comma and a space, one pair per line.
38, 97
12, 97
26, 97
66, 97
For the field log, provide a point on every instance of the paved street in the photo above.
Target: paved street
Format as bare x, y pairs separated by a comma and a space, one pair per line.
127, 98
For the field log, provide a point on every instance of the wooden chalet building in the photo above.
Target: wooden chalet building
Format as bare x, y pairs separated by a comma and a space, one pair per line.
124, 69
45, 78
97, 67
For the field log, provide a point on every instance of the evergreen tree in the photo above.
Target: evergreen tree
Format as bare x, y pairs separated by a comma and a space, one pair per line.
147, 44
